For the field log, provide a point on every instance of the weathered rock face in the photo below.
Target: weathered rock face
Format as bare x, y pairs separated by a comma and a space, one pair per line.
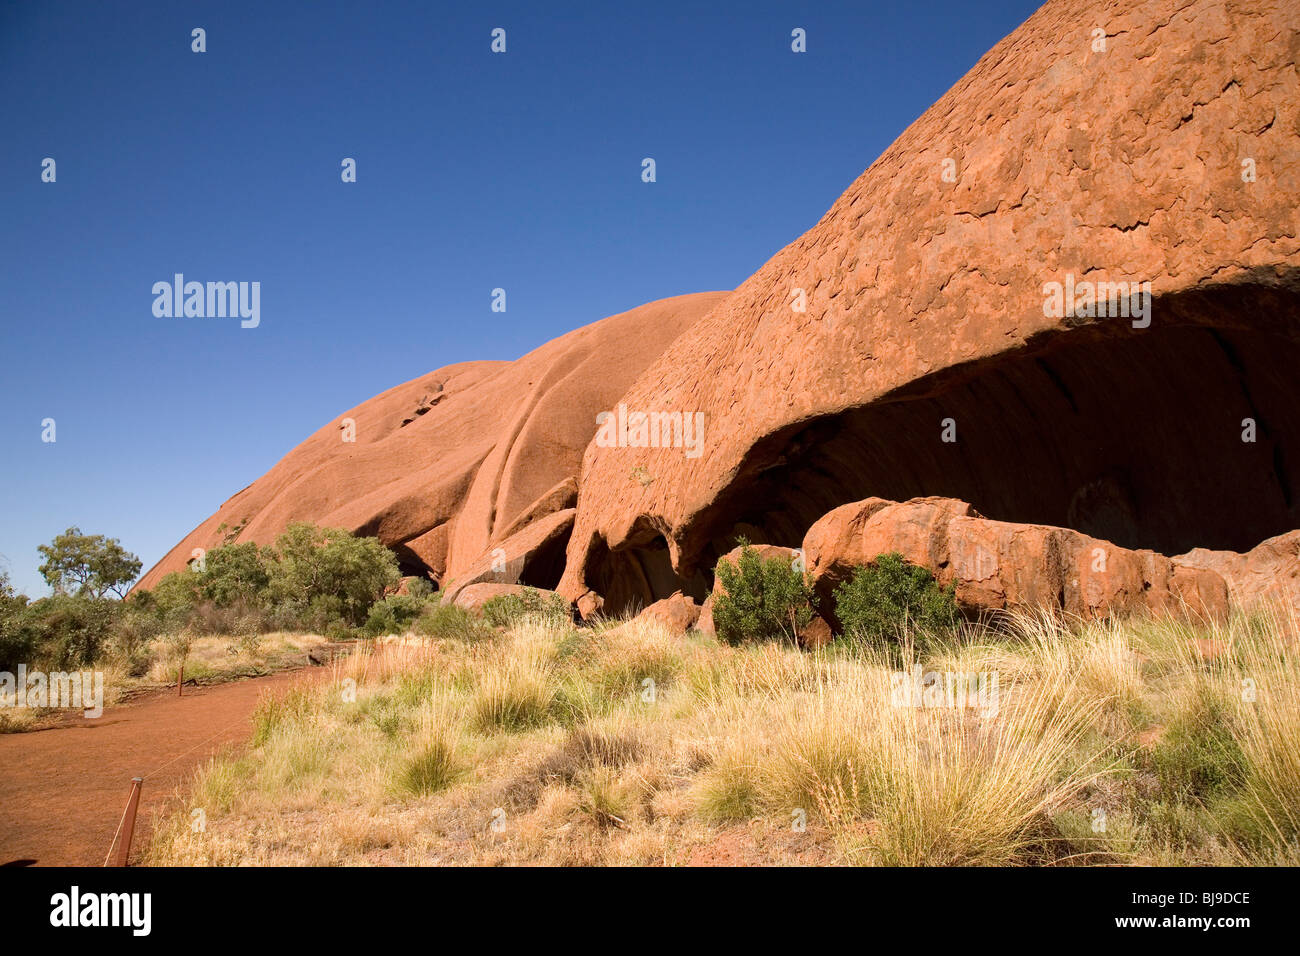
536, 548
969, 322
997, 565
677, 613
1267, 574
447, 467
908, 344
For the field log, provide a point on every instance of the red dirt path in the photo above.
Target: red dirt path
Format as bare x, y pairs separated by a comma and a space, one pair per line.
62, 790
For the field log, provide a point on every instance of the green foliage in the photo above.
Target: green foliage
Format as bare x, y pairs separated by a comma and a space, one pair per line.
237, 574
313, 579
317, 579
61, 631
329, 571
432, 769
764, 599
1198, 755
394, 614
506, 609
87, 565
16, 642
885, 598
137, 624
419, 588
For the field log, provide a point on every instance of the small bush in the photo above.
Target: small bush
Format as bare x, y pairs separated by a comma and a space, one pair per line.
727, 790
506, 609
394, 614
881, 600
419, 588
16, 641
1199, 755
764, 599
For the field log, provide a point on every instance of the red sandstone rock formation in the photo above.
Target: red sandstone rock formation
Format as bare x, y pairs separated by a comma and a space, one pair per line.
458, 462
676, 613
908, 347
926, 304
997, 565
472, 597
1268, 573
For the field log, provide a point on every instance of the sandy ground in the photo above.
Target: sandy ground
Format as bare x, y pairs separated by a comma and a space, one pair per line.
63, 790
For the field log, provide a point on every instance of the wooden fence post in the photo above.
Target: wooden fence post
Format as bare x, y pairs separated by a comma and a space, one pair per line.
128, 822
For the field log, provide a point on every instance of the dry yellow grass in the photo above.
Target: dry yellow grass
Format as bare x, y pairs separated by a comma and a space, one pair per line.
627, 745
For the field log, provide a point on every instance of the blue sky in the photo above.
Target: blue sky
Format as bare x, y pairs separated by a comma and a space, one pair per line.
475, 171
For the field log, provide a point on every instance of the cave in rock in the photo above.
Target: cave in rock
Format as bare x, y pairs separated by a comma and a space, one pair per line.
544, 566
410, 564
1135, 436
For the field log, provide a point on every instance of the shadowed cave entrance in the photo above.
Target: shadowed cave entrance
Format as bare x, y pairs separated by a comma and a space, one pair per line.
1135, 436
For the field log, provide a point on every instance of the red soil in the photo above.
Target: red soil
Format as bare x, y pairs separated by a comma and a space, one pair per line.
63, 790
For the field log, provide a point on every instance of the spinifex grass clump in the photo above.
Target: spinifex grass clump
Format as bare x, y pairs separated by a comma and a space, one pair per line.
431, 769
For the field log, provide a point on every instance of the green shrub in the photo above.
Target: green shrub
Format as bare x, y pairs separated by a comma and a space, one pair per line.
174, 598
63, 631
885, 598
394, 614
419, 588
17, 642
1198, 756
506, 609
333, 572
311, 580
137, 624
765, 599
237, 573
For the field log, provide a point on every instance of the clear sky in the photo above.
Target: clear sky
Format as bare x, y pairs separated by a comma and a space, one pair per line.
475, 171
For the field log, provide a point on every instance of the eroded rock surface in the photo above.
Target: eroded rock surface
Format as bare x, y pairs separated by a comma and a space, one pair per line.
998, 565
908, 347
1267, 574
676, 613
450, 465
924, 362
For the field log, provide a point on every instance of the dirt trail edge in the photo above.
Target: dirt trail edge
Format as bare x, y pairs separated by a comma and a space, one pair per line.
62, 791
